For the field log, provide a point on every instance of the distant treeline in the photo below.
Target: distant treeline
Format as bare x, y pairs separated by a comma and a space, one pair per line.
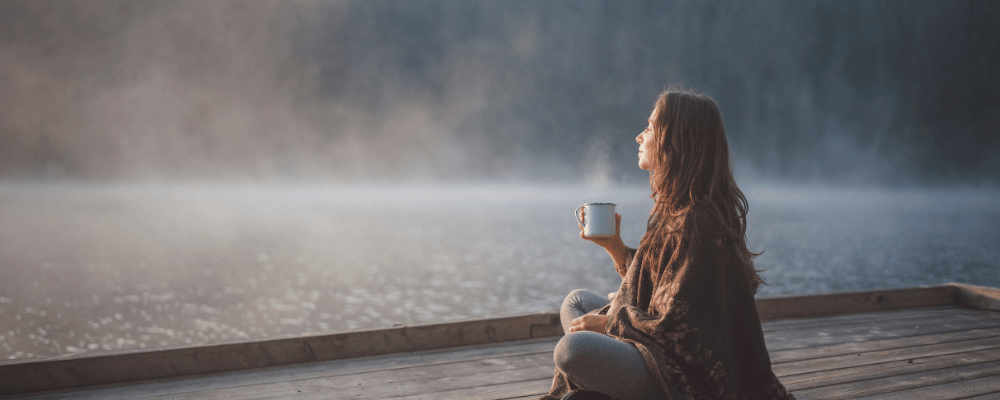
886, 92
889, 91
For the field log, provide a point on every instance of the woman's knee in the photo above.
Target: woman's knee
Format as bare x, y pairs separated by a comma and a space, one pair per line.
575, 297
577, 351
584, 300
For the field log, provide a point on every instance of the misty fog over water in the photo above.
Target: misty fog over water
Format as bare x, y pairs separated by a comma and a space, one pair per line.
102, 267
188, 172
848, 92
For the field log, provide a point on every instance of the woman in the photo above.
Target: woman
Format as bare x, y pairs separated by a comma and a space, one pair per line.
684, 323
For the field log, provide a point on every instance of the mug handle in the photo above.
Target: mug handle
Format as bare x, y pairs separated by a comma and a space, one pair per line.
578, 219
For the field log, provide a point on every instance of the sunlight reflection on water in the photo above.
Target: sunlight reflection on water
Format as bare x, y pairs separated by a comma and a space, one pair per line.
92, 267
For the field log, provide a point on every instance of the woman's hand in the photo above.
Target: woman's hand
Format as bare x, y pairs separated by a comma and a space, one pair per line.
604, 241
589, 322
614, 245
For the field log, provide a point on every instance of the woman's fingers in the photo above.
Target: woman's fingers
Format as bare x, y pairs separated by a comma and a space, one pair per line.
574, 325
600, 241
588, 322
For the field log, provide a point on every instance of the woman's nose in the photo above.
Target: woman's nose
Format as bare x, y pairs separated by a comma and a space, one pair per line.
638, 138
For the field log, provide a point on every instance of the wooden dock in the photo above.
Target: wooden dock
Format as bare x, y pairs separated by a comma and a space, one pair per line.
936, 342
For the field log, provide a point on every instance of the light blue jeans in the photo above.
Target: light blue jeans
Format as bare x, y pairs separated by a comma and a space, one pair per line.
598, 362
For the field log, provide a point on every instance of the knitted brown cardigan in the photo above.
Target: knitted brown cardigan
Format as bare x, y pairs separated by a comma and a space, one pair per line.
694, 320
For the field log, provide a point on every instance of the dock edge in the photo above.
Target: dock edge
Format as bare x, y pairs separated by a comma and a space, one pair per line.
117, 367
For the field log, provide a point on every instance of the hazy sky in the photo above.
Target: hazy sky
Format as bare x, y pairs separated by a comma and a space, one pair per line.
893, 92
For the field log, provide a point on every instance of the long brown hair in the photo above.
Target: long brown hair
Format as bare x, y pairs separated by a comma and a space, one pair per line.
691, 170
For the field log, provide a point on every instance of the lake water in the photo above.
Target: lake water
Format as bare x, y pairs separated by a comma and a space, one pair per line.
104, 267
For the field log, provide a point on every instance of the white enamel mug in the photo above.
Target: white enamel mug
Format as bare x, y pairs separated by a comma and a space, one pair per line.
598, 219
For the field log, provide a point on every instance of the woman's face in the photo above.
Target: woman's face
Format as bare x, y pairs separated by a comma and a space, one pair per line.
645, 140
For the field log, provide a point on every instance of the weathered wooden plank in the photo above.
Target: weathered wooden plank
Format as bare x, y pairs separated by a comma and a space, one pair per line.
806, 353
532, 396
854, 303
985, 396
972, 383
783, 340
112, 367
532, 389
403, 381
476, 385
352, 369
311, 370
981, 297
913, 313
422, 380
940, 364
875, 357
